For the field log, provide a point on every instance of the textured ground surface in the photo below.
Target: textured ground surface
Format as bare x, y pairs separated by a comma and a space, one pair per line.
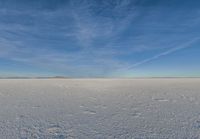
100, 108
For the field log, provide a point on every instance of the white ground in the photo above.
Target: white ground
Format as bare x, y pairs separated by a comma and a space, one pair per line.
100, 108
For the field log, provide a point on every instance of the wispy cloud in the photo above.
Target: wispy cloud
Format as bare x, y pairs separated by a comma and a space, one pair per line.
168, 52
85, 27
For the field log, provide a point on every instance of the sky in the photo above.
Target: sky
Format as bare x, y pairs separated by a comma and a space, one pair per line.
100, 38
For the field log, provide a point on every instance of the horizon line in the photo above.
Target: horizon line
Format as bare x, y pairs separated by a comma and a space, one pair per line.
66, 77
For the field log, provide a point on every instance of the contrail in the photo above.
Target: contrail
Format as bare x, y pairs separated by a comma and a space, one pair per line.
188, 44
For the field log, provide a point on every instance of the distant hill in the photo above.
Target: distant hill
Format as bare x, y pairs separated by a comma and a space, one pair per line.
22, 77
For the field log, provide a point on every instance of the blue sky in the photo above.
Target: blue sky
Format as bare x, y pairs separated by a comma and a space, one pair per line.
100, 38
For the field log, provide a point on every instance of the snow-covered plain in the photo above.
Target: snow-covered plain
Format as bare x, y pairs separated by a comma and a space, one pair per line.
100, 108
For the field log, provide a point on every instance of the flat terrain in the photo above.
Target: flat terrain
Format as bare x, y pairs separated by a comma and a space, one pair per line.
100, 108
